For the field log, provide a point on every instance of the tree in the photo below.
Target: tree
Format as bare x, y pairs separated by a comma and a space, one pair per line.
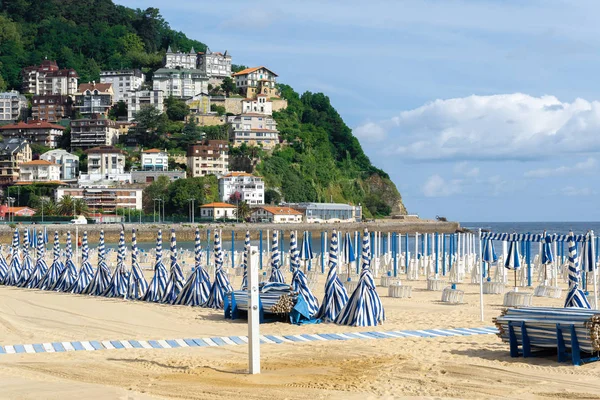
272, 196
65, 205
118, 110
238, 67
228, 86
242, 211
177, 110
81, 207
156, 190
220, 110
235, 197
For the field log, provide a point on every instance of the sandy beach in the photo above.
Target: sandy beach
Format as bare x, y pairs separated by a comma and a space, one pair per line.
453, 367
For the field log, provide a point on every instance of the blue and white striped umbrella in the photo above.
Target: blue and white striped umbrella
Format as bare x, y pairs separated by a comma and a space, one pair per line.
196, 290
50, 280
3, 266
364, 306
14, 268
69, 275
137, 285
513, 259
306, 252
299, 281
221, 284
27, 265
86, 271
40, 265
245, 257
276, 274
176, 278
102, 277
157, 286
588, 254
547, 257
45, 235
488, 252
348, 250
336, 296
575, 297
120, 278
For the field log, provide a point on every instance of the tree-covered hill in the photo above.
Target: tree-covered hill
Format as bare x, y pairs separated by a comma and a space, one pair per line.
322, 160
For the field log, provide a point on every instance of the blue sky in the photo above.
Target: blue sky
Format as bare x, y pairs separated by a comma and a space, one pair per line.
479, 110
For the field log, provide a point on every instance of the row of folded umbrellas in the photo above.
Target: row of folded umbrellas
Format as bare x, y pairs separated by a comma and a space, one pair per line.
362, 308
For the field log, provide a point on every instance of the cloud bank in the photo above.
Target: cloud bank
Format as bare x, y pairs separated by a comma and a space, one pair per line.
499, 127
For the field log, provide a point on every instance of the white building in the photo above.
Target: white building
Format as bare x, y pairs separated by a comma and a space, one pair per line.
260, 105
257, 80
277, 215
106, 166
210, 157
123, 81
47, 79
254, 130
106, 199
180, 83
143, 98
215, 65
69, 163
39, 171
155, 160
251, 188
328, 212
215, 211
12, 105
181, 60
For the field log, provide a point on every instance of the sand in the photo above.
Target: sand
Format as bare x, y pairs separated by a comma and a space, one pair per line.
455, 367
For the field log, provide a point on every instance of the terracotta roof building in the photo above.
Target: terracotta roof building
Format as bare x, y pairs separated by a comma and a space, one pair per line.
215, 211
276, 214
94, 98
36, 132
48, 79
257, 80
39, 171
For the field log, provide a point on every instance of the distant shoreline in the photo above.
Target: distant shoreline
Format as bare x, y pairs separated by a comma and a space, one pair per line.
186, 231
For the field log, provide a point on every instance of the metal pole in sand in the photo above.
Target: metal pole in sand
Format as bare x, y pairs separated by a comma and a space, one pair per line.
253, 319
480, 279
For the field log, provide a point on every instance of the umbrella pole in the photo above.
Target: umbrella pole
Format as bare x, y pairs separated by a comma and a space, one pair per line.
594, 270
480, 279
515, 270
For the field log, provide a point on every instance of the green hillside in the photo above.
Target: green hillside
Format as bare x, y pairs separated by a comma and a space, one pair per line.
323, 160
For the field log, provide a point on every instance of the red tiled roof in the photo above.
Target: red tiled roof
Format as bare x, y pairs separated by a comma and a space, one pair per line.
250, 70
38, 162
101, 87
34, 124
237, 173
281, 210
153, 151
217, 205
104, 149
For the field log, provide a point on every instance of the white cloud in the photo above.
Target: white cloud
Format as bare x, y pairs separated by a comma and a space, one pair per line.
579, 167
499, 127
370, 132
463, 168
436, 186
573, 191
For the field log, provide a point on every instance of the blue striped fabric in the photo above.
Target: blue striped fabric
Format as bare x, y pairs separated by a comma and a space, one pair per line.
488, 252
175, 282
276, 274
547, 257
336, 296
306, 252
86, 271
102, 277
513, 259
221, 284
50, 280
27, 262
364, 306
120, 279
529, 237
245, 256
299, 281
67, 278
40, 265
137, 285
348, 251
157, 286
575, 296
14, 267
588, 254
3, 266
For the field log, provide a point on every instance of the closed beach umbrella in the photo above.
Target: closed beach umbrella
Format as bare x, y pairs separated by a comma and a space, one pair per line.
27, 264
276, 274
40, 264
196, 290
546, 256
306, 252
101, 279
588, 259
575, 297
137, 285
364, 306
86, 271
300, 283
245, 257
513, 259
68, 277
50, 280
221, 284
14, 268
488, 254
348, 254
336, 296
3, 266
175, 282
158, 283
119, 281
